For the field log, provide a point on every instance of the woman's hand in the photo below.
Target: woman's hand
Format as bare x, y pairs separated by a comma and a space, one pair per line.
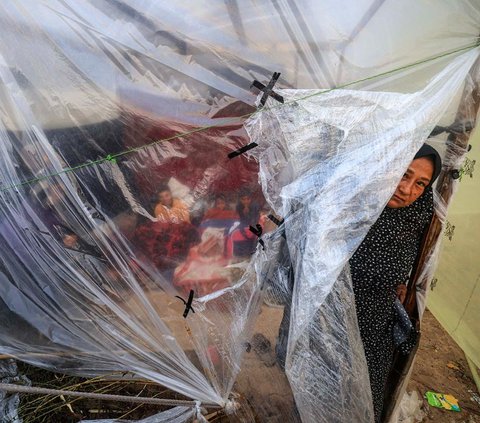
402, 292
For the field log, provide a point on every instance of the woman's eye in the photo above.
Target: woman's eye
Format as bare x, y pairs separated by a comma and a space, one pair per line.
422, 184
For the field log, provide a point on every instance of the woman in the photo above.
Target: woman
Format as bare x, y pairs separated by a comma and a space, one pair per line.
379, 268
382, 263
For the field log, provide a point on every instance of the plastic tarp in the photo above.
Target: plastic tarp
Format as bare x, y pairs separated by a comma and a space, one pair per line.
9, 403
118, 196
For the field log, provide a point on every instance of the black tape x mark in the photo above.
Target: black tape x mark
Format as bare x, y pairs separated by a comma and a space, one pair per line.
188, 303
268, 90
257, 230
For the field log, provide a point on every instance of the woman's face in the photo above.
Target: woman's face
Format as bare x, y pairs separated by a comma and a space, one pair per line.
414, 181
220, 204
165, 198
245, 200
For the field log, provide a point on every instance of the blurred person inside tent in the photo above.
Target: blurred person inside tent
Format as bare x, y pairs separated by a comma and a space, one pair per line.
248, 209
220, 210
170, 208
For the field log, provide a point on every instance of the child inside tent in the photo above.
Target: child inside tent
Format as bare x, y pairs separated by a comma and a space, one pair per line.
169, 208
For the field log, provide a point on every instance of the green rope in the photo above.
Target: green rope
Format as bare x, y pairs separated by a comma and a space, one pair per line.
235, 120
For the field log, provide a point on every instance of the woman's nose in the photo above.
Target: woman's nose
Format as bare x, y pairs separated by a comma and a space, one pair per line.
405, 187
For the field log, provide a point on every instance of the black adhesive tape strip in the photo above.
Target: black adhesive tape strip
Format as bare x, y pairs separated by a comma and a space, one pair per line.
242, 150
277, 222
188, 303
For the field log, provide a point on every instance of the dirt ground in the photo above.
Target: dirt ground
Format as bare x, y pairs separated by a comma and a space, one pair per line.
441, 367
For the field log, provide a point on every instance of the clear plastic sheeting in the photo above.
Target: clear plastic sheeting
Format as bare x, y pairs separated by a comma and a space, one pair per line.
455, 160
118, 198
9, 402
309, 152
410, 409
208, 54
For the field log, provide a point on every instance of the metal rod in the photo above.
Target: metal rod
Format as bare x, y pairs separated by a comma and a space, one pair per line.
10, 387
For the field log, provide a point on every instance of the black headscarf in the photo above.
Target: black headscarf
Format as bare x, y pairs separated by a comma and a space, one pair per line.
429, 151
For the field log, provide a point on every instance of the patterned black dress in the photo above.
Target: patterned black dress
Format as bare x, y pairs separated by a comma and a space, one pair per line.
380, 264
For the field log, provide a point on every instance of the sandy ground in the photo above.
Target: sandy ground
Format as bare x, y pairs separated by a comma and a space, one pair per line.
441, 367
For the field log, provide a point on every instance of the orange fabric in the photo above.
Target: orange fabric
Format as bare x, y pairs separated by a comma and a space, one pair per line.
176, 214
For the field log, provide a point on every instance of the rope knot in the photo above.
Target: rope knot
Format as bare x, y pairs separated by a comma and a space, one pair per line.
231, 406
111, 158
198, 413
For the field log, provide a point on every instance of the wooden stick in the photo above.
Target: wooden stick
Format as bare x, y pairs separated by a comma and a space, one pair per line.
11, 387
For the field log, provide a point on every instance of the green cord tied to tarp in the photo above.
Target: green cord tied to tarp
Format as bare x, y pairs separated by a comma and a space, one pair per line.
111, 158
